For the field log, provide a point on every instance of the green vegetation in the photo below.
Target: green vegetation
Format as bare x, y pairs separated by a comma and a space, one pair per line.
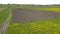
3, 16
48, 26
32, 7
48, 9
4, 13
53, 8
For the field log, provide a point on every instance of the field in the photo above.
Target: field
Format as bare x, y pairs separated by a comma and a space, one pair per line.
48, 8
47, 26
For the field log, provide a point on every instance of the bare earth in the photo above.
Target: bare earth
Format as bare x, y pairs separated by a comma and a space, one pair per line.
21, 15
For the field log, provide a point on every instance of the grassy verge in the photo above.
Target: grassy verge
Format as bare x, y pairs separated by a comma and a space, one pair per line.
4, 14
49, 26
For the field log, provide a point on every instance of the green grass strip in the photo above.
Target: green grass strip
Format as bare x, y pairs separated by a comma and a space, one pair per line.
48, 26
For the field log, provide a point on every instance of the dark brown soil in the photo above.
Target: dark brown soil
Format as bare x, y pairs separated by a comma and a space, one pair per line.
21, 15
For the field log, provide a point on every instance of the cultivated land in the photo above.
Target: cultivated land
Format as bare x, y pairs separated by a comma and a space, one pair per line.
24, 15
44, 26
